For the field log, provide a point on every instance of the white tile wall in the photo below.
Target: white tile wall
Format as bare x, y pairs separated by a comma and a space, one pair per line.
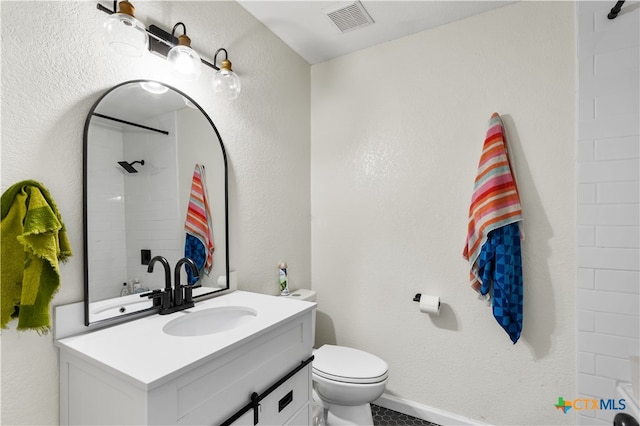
106, 234
139, 213
152, 208
608, 213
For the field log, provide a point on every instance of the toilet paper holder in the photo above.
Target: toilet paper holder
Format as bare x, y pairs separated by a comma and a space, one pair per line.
418, 296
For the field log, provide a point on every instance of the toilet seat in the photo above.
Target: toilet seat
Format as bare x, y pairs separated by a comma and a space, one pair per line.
348, 365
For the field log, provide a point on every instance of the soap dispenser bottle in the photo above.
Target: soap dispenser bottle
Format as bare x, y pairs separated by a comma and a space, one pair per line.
284, 279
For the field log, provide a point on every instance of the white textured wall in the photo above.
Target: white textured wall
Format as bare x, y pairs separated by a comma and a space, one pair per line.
396, 135
608, 200
54, 67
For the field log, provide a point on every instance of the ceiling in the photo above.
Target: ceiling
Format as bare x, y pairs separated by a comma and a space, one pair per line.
306, 28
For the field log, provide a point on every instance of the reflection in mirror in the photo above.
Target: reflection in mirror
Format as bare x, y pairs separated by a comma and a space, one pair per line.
143, 142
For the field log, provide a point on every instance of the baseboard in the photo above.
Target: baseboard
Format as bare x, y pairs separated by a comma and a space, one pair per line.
424, 412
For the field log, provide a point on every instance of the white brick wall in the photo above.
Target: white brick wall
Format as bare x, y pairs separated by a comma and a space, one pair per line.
608, 236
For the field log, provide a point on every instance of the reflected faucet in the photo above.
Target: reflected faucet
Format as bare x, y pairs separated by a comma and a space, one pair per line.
167, 270
177, 288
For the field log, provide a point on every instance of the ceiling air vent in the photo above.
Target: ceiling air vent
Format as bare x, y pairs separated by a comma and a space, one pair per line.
348, 16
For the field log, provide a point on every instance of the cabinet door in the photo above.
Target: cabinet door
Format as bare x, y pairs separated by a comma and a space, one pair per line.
89, 396
283, 405
211, 393
301, 418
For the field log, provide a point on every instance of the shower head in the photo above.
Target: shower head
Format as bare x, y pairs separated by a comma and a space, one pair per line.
129, 166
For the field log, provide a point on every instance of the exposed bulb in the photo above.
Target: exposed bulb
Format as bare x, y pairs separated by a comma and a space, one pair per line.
185, 60
154, 87
124, 33
226, 83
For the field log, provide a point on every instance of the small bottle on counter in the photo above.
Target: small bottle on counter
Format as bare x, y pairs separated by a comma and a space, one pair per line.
137, 287
284, 279
125, 290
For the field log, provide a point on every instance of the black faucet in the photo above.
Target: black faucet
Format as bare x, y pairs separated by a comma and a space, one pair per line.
163, 297
172, 299
177, 288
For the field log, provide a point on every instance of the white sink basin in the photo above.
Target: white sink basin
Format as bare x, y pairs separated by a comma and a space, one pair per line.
210, 321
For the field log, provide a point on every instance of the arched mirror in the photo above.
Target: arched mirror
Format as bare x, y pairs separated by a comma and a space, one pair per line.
145, 144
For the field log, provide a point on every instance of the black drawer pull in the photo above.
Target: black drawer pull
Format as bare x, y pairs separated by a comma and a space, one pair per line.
286, 400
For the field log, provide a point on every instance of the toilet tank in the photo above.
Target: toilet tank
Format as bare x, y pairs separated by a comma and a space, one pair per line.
303, 294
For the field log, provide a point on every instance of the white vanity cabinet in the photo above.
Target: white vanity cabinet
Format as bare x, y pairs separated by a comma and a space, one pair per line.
210, 379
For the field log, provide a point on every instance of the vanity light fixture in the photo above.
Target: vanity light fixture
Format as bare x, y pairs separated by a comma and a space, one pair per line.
124, 33
177, 50
184, 59
225, 82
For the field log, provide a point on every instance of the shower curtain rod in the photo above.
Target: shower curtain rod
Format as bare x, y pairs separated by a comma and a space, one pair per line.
164, 132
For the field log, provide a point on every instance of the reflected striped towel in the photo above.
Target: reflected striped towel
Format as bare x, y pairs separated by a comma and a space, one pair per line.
495, 201
199, 223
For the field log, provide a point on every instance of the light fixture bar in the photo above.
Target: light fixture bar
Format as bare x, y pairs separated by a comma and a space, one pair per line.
160, 41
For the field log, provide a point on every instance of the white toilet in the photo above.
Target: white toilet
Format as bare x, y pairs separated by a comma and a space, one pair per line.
345, 380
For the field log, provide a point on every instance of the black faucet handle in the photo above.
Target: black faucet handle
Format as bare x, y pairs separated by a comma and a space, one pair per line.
155, 295
192, 286
188, 288
151, 294
161, 298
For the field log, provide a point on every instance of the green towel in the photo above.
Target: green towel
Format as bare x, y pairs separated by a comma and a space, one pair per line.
33, 242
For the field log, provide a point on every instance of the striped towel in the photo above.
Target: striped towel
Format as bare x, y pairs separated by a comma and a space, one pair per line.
199, 223
493, 239
495, 201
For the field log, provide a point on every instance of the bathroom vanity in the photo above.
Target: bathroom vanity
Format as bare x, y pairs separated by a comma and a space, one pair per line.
198, 366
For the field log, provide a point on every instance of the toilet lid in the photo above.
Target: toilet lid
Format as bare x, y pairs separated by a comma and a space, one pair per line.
348, 365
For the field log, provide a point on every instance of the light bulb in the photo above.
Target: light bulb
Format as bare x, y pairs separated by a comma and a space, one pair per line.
226, 83
185, 60
154, 87
124, 33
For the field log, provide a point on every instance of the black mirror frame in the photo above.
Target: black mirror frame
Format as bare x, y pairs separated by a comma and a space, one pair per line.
87, 123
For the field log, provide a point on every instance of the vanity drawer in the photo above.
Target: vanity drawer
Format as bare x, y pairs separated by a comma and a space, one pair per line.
288, 404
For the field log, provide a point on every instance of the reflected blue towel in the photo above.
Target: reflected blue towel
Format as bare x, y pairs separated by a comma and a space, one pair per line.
194, 249
500, 269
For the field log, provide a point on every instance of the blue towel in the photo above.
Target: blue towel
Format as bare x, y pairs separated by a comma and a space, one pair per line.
194, 249
500, 269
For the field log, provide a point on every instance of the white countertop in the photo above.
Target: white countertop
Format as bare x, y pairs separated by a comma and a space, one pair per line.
142, 353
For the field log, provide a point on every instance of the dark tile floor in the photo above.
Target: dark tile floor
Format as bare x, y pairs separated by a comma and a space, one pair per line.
385, 417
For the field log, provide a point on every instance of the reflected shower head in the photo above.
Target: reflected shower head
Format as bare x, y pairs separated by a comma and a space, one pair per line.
129, 166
